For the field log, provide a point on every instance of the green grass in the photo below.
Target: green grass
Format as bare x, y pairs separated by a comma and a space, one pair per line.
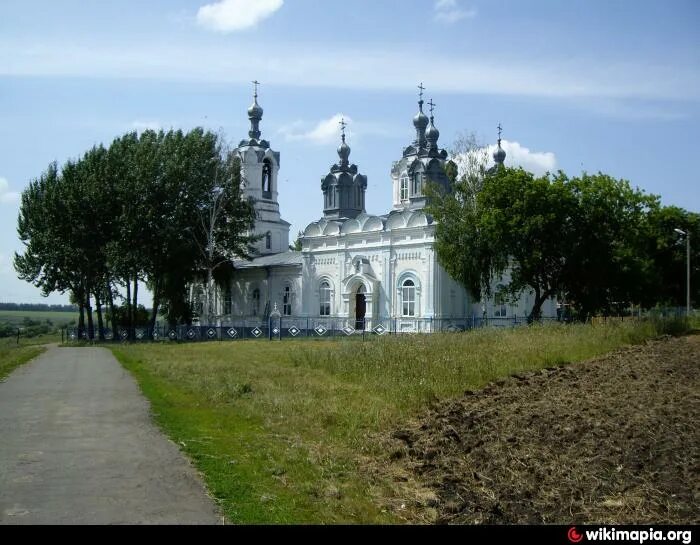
12, 355
57, 318
283, 431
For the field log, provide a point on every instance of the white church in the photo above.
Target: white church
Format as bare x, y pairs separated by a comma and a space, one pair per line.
355, 271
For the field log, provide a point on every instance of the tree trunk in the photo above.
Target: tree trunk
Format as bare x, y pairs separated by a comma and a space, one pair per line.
88, 309
110, 305
81, 318
156, 304
128, 305
536, 312
100, 323
135, 306
209, 296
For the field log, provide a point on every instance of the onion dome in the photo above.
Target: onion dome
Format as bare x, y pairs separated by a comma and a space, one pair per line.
255, 111
343, 152
500, 154
432, 134
420, 121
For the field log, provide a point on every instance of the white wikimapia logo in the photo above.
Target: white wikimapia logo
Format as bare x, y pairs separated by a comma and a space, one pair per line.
634, 536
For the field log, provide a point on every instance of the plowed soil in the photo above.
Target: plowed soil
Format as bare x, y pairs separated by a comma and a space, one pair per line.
612, 440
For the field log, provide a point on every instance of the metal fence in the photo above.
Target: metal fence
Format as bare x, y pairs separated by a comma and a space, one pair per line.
290, 327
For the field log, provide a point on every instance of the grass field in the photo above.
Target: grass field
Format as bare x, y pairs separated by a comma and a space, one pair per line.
283, 431
57, 318
12, 355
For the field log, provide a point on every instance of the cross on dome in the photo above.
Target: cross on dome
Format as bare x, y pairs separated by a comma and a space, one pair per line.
342, 124
432, 106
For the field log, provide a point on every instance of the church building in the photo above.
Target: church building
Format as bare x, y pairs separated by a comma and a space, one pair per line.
359, 270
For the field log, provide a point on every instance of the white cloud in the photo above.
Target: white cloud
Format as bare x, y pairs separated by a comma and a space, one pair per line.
326, 131
449, 11
362, 68
517, 155
7, 196
235, 15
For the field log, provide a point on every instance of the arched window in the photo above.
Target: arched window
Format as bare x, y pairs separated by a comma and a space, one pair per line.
325, 299
268, 241
416, 189
499, 306
256, 302
408, 298
403, 188
287, 301
267, 179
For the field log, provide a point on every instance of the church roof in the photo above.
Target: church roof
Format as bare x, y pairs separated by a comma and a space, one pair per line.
290, 258
365, 223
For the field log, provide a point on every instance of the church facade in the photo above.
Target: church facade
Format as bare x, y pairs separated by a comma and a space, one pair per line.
359, 270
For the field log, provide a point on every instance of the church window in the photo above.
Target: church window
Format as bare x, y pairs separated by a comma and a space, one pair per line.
256, 302
325, 299
228, 303
408, 298
416, 189
499, 306
267, 180
287, 301
268, 241
403, 188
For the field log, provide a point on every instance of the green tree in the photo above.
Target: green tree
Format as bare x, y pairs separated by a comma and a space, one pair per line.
52, 259
608, 263
224, 221
296, 246
164, 208
668, 252
585, 239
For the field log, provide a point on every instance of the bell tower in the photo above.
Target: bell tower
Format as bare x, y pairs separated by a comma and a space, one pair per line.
259, 169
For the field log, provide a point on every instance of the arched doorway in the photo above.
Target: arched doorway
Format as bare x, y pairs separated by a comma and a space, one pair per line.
360, 307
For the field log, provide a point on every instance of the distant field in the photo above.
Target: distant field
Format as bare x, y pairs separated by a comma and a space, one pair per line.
57, 318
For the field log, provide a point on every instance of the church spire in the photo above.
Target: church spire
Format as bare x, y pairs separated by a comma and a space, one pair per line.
499, 156
420, 121
343, 187
432, 134
343, 149
255, 113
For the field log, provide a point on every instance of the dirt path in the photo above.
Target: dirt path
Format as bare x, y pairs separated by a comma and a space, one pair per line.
78, 447
612, 440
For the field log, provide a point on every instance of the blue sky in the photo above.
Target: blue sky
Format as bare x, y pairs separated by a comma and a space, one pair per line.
594, 85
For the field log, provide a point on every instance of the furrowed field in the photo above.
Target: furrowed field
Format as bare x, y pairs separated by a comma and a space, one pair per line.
293, 431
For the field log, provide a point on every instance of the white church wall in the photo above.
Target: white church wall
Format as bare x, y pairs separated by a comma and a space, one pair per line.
270, 283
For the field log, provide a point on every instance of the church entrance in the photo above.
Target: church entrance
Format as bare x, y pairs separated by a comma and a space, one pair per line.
360, 308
